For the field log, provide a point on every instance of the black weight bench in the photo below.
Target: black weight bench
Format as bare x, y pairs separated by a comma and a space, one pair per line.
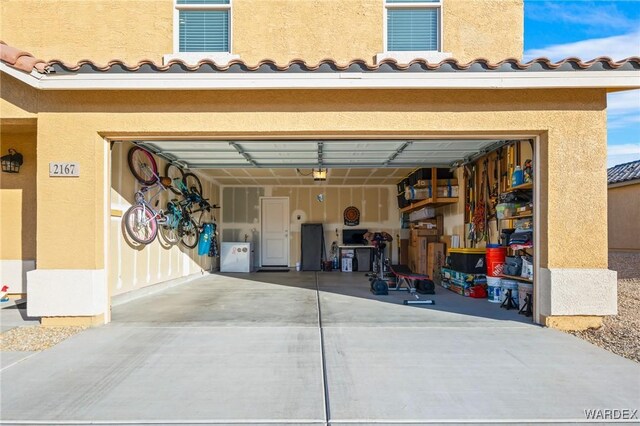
404, 277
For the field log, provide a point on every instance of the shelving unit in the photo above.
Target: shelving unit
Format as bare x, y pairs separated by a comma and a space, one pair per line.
429, 202
417, 180
517, 278
519, 216
523, 187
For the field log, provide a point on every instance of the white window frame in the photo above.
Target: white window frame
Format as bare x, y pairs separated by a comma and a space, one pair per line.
406, 56
220, 58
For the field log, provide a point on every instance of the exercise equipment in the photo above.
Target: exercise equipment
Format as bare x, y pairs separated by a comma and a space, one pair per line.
405, 280
404, 277
379, 285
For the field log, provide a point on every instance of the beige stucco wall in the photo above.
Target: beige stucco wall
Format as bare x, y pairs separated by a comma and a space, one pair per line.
624, 217
18, 199
132, 266
571, 125
311, 30
18, 104
276, 29
99, 30
492, 29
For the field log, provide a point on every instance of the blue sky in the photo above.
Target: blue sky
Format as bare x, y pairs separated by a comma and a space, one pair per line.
587, 29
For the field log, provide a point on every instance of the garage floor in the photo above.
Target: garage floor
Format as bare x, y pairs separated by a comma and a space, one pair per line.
299, 348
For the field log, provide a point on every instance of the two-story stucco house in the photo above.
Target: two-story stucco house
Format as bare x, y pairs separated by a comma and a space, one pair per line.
251, 95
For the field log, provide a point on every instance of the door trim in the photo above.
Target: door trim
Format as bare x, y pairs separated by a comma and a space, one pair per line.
288, 225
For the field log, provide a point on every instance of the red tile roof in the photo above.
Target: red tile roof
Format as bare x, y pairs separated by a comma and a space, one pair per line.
604, 63
24, 61
21, 60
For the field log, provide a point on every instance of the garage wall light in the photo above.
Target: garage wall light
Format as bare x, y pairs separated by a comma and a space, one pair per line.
319, 175
11, 163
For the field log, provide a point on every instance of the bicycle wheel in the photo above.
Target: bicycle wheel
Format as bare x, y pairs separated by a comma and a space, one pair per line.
142, 165
168, 232
192, 183
174, 172
141, 224
189, 233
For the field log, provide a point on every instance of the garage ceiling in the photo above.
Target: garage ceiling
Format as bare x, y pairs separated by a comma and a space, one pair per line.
350, 162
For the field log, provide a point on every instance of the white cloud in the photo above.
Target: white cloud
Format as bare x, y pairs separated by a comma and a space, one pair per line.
616, 47
624, 149
623, 109
624, 101
622, 153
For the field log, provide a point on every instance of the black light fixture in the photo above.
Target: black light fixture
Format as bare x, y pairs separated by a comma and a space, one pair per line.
11, 163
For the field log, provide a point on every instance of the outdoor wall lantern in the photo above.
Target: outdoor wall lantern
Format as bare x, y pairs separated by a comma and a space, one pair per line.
11, 163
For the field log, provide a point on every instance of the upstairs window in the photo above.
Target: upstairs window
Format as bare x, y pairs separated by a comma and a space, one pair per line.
413, 25
203, 25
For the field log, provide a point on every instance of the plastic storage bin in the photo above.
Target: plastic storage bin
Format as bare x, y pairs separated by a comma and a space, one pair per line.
470, 261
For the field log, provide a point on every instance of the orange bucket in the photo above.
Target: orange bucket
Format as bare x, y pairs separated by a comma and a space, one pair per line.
495, 260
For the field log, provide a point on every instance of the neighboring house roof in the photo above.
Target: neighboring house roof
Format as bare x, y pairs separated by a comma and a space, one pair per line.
26, 62
623, 172
21, 60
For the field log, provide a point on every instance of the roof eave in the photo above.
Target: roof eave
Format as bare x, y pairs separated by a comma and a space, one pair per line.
610, 80
624, 183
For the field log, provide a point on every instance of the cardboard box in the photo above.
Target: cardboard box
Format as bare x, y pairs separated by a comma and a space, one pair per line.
435, 259
450, 241
428, 227
347, 264
347, 253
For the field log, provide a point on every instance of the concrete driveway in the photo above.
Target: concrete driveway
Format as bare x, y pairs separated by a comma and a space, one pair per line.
306, 348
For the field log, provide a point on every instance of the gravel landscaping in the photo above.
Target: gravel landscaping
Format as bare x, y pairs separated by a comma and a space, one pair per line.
35, 338
620, 334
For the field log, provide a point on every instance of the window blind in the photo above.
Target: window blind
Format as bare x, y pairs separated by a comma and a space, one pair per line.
412, 29
203, 2
204, 30
413, 1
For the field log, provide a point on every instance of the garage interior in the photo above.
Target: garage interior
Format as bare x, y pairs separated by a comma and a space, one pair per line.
470, 230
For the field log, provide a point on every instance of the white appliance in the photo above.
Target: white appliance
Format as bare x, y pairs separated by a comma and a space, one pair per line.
236, 257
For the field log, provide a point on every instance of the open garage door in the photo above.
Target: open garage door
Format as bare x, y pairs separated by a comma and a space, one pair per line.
396, 186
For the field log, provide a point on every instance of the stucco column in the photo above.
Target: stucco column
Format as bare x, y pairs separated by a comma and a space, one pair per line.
576, 288
69, 284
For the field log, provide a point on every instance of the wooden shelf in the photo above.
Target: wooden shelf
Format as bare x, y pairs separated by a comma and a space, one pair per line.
523, 187
514, 277
429, 202
522, 216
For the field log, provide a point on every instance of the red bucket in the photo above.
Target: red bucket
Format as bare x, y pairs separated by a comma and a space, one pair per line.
495, 260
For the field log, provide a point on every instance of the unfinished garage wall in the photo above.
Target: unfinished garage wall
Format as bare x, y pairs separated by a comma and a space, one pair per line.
132, 266
241, 212
18, 208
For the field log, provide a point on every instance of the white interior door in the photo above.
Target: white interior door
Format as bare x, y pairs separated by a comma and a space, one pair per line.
274, 238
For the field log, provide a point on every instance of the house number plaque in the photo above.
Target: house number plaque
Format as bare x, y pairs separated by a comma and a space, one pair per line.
64, 169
